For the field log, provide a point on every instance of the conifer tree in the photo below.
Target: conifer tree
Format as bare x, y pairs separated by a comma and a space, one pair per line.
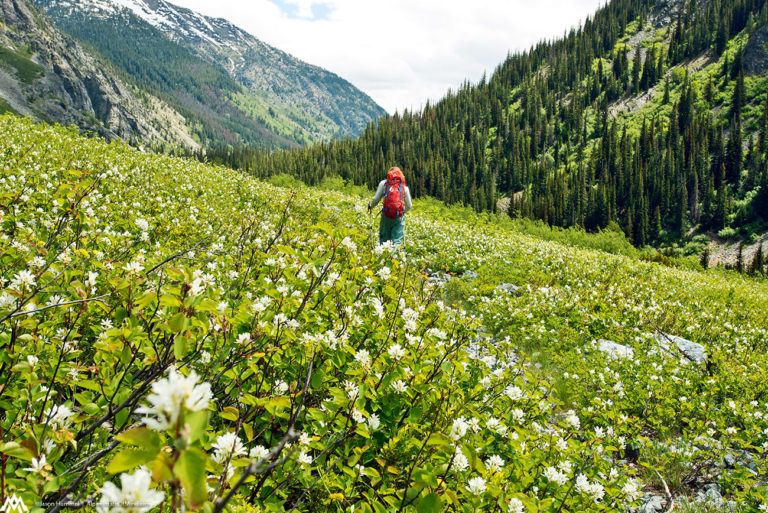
757, 263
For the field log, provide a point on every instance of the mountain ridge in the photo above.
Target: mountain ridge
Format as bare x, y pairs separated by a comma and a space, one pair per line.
48, 75
322, 103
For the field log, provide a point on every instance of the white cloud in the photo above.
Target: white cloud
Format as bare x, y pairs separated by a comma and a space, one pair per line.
402, 52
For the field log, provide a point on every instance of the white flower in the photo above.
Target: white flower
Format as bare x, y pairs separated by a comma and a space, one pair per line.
23, 279
133, 267
134, 496
363, 358
38, 465
459, 428
351, 389
170, 395
227, 446
59, 416
384, 273
396, 351
346, 241
281, 387
399, 386
243, 338
305, 439
358, 416
514, 392
476, 485
197, 287
495, 463
515, 506
37, 262
92, 279
305, 458
373, 422
32, 360
55, 300
631, 490
572, 420
553, 475
6, 301
261, 304
582, 484
258, 453
142, 225
460, 462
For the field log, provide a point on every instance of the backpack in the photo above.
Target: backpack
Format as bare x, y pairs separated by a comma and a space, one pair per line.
394, 194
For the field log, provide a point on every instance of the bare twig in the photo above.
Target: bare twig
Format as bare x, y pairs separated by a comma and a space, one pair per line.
57, 305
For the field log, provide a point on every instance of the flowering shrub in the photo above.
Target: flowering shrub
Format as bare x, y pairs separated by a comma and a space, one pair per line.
181, 336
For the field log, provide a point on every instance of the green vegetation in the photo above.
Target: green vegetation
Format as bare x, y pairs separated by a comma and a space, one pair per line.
585, 131
27, 70
6, 107
174, 325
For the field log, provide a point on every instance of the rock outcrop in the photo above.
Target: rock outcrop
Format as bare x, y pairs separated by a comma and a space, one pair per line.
49, 76
756, 53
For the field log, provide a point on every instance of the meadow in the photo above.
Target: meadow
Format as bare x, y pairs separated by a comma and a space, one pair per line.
176, 336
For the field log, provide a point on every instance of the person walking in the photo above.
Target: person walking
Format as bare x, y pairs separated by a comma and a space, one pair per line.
397, 202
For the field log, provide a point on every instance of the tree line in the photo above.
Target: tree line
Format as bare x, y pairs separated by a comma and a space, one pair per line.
539, 130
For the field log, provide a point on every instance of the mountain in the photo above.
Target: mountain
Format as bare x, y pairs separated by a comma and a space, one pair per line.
50, 76
651, 118
219, 75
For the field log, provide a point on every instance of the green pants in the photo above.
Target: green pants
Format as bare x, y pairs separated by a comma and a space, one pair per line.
391, 230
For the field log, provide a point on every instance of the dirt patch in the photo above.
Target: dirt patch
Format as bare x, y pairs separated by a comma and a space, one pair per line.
726, 253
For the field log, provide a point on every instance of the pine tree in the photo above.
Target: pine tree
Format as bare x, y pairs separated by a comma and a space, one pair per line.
721, 207
704, 261
757, 263
734, 155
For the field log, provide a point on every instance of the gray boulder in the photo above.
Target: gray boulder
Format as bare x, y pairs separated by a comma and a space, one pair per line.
652, 503
678, 346
470, 275
613, 349
509, 288
438, 278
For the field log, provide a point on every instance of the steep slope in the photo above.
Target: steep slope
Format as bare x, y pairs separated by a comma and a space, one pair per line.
49, 76
181, 338
295, 99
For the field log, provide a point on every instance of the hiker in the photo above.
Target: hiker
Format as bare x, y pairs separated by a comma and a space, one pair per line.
397, 201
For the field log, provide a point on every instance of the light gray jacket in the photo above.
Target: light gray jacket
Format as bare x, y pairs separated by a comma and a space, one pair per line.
383, 188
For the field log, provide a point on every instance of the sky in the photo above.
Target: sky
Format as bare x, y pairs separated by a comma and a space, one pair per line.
402, 52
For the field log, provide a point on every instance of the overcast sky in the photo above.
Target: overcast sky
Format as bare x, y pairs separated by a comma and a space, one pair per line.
401, 52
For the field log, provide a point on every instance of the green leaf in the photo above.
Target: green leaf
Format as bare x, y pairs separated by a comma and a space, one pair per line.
141, 437
277, 403
180, 348
439, 439
230, 413
430, 503
177, 322
197, 422
190, 469
128, 459
15, 450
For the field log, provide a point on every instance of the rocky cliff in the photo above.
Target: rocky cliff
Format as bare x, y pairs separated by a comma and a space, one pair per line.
49, 76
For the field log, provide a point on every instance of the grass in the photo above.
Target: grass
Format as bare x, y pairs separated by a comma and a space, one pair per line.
6, 107
26, 70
